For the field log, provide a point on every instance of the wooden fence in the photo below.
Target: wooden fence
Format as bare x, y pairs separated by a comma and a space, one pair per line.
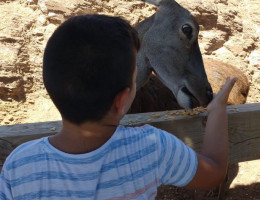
244, 130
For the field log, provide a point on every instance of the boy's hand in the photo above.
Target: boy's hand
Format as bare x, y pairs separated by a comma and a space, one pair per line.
213, 159
221, 98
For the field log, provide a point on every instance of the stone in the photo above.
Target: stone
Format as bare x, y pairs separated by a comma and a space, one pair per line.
42, 19
211, 40
256, 79
56, 7
254, 58
206, 12
42, 6
12, 88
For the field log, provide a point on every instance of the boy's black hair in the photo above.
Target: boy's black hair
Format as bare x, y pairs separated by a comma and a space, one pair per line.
87, 61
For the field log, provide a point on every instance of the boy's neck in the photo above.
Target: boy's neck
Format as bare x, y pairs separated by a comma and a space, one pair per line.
84, 138
89, 136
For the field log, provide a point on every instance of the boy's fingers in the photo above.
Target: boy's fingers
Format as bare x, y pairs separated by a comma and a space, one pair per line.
222, 95
229, 84
232, 83
234, 80
226, 89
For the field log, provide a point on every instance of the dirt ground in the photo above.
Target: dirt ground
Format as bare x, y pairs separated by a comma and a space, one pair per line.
243, 184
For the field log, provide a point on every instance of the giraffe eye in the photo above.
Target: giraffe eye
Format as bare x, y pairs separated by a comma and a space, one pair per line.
187, 30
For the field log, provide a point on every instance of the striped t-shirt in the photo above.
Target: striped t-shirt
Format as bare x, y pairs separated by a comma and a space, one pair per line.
130, 165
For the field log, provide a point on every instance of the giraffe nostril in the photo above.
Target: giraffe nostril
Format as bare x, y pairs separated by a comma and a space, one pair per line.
209, 95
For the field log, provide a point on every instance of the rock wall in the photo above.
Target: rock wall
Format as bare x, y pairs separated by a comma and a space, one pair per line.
230, 31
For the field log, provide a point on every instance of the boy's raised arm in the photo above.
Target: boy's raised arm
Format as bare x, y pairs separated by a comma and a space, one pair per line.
212, 161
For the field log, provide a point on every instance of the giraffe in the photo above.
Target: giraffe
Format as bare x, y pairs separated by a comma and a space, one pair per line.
170, 49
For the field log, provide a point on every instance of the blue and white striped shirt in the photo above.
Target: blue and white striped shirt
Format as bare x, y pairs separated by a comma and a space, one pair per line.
130, 165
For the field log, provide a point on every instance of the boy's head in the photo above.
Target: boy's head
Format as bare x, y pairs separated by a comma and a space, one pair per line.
87, 61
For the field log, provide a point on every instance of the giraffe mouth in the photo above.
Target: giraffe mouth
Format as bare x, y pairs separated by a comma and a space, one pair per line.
193, 102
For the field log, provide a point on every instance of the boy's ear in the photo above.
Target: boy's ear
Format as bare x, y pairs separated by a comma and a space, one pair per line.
120, 101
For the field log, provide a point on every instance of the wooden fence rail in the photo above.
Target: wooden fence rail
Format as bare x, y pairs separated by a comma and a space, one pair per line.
244, 130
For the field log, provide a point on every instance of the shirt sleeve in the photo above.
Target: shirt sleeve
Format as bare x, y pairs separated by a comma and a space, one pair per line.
177, 162
5, 189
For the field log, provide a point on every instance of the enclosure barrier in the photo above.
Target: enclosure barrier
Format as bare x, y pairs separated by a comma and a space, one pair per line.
189, 126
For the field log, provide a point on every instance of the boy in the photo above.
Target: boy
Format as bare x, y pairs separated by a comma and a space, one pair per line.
89, 72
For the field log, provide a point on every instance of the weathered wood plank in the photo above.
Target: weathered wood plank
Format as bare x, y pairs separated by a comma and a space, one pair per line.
21, 133
244, 129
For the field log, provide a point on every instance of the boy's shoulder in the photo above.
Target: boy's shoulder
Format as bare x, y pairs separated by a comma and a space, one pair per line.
26, 149
143, 129
140, 133
149, 134
138, 130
